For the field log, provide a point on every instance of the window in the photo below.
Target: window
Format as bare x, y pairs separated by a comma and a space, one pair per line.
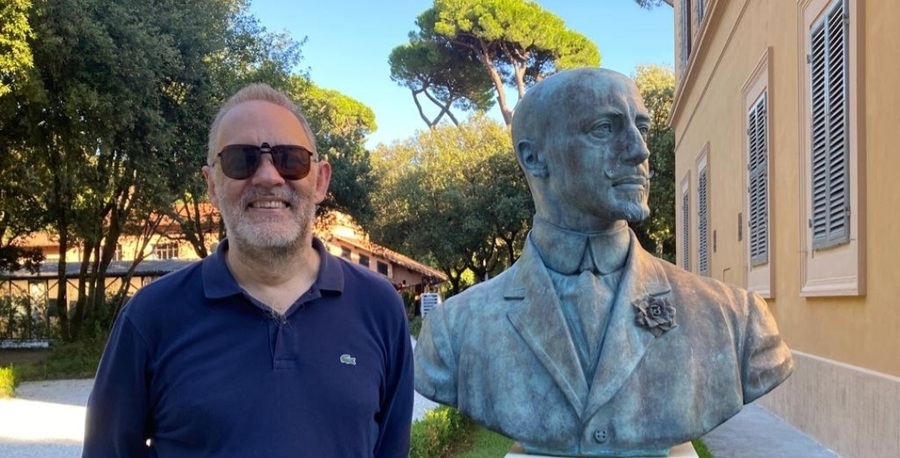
686, 224
382, 268
345, 252
363, 260
830, 221
685, 33
701, 10
757, 207
757, 191
166, 250
833, 261
39, 298
703, 215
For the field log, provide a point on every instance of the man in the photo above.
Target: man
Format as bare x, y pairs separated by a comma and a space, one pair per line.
588, 345
270, 347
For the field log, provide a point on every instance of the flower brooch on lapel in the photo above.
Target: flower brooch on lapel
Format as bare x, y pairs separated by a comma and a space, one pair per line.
655, 314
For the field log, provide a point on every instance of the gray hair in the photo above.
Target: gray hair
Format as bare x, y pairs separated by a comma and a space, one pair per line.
257, 92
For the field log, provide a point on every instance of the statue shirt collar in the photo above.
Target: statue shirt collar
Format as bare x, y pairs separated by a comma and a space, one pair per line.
570, 252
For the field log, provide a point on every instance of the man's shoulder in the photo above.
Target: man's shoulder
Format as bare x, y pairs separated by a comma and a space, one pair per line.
168, 290
357, 276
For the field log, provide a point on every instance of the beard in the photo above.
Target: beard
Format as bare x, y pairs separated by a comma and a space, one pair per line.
269, 238
635, 212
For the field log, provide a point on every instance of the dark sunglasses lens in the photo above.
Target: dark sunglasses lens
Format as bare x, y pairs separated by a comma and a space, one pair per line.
292, 162
239, 162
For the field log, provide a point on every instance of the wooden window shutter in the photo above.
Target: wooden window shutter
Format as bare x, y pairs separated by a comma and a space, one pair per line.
703, 222
758, 190
686, 231
830, 158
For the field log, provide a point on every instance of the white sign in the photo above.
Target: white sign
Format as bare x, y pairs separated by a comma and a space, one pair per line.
428, 301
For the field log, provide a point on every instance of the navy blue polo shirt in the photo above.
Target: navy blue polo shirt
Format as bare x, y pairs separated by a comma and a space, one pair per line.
200, 368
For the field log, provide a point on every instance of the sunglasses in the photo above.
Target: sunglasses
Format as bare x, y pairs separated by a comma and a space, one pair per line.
240, 162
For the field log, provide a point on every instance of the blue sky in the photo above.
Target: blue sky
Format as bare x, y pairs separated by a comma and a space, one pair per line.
348, 43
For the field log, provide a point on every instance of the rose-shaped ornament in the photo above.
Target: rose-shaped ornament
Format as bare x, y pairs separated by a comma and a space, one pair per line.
655, 314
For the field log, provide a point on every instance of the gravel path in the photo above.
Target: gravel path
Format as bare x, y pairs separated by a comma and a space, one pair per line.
46, 419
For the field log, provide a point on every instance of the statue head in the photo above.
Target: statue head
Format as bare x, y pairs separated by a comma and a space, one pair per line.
580, 138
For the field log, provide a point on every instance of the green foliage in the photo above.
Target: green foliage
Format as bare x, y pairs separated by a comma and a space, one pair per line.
650, 4
415, 326
15, 54
657, 233
341, 125
516, 42
487, 444
67, 360
454, 197
25, 318
99, 120
701, 449
234, 50
13, 257
447, 75
9, 381
435, 434
109, 130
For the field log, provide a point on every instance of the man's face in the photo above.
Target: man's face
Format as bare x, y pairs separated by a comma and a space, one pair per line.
596, 153
265, 213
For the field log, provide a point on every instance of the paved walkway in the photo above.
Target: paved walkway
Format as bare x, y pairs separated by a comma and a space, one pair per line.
46, 419
756, 433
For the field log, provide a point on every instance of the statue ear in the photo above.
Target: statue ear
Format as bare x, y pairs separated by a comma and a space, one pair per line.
532, 161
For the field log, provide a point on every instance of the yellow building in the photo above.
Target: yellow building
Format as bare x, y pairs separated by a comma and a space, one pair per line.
785, 118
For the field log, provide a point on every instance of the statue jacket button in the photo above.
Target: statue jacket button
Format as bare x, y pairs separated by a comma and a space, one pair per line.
601, 436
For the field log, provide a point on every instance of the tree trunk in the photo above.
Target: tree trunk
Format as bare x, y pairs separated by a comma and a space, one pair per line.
59, 206
507, 112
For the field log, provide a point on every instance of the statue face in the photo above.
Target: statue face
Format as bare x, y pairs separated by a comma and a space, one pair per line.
596, 154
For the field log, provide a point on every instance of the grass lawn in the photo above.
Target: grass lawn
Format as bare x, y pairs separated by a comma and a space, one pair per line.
486, 444
701, 449
64, 360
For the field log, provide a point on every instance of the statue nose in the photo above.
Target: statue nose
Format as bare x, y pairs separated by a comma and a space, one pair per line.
637, 151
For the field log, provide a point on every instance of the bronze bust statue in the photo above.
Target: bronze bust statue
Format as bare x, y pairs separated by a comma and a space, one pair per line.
588, 345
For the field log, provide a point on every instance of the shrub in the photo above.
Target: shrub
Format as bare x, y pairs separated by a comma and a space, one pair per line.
415, 326
435, 434
24, 318
67, 360
9, 380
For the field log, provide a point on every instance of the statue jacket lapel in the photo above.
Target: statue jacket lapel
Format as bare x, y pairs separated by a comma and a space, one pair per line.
537, 317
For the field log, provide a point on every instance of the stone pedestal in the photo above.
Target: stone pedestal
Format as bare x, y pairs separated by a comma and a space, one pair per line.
685, 450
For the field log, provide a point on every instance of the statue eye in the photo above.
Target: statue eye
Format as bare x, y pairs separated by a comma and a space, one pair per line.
603, 128
644, 130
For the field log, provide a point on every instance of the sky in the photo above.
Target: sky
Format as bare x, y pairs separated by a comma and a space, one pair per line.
348, 43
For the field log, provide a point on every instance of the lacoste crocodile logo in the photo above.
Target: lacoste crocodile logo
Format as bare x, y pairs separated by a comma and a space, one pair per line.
347, 359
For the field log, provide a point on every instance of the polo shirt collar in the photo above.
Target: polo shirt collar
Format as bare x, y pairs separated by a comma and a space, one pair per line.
218, 281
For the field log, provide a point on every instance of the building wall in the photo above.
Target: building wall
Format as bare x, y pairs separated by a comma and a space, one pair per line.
129, 247
839, 339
